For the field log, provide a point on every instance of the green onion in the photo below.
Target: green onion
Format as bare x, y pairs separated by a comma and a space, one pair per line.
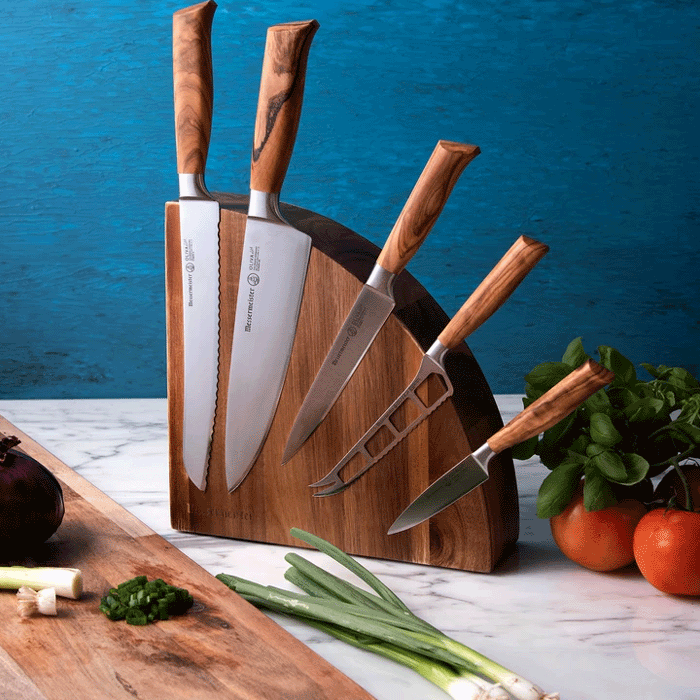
381, 623
140, 601
67, 582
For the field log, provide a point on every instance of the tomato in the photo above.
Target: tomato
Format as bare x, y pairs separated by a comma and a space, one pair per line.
667, 550
600, 540
671, 484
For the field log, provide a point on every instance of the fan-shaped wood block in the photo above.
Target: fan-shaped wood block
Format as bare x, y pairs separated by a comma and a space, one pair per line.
472, 534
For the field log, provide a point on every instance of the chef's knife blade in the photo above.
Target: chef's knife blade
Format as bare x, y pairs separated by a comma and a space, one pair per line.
548, 410
199, 232
275, 256
376, 300
486, 299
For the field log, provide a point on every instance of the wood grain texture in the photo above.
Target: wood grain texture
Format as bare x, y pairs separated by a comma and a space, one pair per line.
279, 102
557, 403
472, 535
493, 291
222, 648
193, 85
425, 203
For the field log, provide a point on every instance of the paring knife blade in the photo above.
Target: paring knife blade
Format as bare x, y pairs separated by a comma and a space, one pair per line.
275, 256
486, 299
199, 231
548, 410
376, 300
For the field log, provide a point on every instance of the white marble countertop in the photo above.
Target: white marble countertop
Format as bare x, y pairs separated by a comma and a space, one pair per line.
588, 635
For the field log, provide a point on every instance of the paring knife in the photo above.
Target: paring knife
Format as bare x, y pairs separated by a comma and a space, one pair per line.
376, 299
199, 231
548, 410
275, 256
486, 299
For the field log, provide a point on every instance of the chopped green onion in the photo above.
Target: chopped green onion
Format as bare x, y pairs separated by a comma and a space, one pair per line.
140, 601
383, 624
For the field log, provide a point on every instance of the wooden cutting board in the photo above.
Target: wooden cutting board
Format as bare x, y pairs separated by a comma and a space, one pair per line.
472, 534
223, 647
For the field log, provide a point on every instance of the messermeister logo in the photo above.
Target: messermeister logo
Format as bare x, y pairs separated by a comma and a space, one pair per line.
188, 258
253, 280
354, 324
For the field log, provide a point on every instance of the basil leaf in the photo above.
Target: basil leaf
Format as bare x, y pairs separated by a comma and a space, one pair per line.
597, 403
603, 431
525, 450
616, 362
636, 467
547, 374
597, 492
575, 355
554, 436
645, 409
558, 488
610, 465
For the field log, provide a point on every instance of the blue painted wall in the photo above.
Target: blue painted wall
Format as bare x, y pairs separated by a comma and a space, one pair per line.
586, 113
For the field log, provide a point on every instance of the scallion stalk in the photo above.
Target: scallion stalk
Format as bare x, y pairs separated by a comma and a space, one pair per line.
67, 582
383, 624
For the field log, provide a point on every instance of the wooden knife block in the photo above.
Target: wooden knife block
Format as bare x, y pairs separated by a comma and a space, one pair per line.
472, 534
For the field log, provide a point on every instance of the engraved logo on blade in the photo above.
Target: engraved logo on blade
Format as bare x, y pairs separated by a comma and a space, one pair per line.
355, 323
253, 280
188, 257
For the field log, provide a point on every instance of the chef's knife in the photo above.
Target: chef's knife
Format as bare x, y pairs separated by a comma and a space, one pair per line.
486, 299
199, 232
275, 256
548, 410
376, 299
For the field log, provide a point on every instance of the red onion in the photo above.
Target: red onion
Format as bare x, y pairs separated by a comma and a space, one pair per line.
31, 500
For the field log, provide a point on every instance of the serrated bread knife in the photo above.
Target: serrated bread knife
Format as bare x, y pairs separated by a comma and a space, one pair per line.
199, 232
486, 299
548, 410
274, 259
376, 300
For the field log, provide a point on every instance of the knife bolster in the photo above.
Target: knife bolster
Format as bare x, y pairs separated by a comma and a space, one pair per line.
192, 185
382, 280
265, 205
437, 352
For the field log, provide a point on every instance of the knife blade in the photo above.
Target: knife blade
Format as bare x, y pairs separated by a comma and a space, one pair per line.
199, 232
376, 299
546, 411
486, 299
275, 256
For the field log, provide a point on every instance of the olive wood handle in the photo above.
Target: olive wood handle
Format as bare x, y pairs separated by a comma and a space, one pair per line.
425, 203
496, 287
193, 84
279, 102
553, 406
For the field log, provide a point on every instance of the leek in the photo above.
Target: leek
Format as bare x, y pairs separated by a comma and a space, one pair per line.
381, 623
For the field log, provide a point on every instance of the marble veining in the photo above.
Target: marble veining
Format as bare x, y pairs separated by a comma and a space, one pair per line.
587, 635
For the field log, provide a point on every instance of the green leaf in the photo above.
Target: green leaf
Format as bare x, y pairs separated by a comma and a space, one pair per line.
690, 410
616, 362
636, 467
575, 355
645, 409
603, 431
610, 465
597, 492
525, 450
544, 376
598, 403
557, 489
688, 433
594, 449
555, 436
